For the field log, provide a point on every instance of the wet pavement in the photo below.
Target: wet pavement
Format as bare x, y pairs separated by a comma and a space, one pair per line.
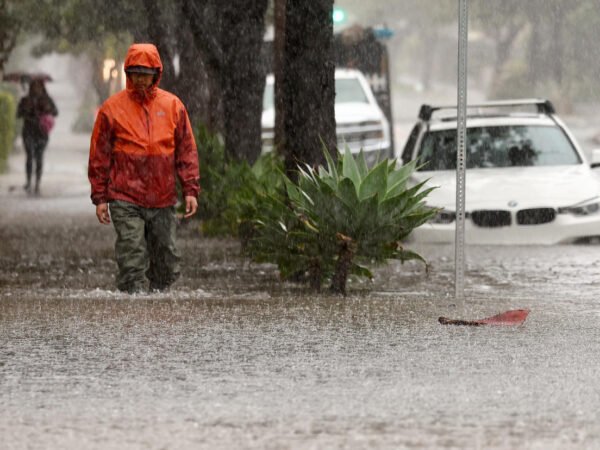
233, 359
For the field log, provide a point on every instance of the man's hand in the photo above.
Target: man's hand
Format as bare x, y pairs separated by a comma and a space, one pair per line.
102, 213
191, 206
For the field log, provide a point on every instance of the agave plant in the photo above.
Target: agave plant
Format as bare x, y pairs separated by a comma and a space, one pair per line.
264, 178
339, 218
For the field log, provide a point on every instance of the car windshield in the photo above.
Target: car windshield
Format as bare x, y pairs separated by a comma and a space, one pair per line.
347, 90
502, 146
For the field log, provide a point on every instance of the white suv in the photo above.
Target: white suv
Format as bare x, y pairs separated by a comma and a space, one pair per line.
360, 122
527, 180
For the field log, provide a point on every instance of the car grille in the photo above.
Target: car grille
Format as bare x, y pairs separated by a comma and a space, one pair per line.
535, 216
501, 218
491, 218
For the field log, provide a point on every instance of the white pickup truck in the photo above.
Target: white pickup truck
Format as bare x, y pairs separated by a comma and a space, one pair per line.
360, 122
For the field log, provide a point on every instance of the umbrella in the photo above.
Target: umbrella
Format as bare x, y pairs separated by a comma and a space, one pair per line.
26, 77
513, 317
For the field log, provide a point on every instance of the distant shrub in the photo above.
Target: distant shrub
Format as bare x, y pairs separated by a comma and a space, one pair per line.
227, 202
7, 127
512, 82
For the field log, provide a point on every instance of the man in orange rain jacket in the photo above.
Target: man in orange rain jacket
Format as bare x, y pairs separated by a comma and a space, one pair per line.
142, 141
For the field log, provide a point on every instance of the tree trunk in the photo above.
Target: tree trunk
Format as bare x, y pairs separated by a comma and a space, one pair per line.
243, 77
193, 80
504, 38
315, 275
95, 55
204, 19
346, 253
159, 36
557, 45
278, 53
430, 45
535, 54
308, 83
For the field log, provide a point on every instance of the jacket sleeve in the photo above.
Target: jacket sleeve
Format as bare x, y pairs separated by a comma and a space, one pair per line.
100, 158
186, 156
52, 107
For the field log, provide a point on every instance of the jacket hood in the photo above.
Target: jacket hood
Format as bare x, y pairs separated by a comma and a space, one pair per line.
145, 55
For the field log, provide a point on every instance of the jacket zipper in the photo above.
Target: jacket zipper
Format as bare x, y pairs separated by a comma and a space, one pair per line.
148, 124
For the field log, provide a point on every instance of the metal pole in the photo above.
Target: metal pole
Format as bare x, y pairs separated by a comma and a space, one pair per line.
461, 128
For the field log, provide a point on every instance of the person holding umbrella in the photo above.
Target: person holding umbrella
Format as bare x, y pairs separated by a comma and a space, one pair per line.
37, 109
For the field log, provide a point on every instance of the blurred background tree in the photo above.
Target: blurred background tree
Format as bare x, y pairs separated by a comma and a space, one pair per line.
212, 49
10, 25
204, 58
517, 48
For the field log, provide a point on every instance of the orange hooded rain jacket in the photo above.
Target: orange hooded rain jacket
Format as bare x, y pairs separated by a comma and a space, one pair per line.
141, 143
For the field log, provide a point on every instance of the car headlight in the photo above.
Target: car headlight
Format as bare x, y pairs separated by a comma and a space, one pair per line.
582, 209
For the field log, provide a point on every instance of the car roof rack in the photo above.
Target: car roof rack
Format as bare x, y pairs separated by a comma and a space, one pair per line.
543, 106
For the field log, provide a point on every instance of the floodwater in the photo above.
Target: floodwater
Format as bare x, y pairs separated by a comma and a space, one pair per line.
233, 359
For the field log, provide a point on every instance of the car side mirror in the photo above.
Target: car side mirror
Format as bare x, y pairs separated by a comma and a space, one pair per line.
595, 158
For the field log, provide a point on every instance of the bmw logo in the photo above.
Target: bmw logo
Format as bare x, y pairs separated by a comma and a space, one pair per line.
512, 203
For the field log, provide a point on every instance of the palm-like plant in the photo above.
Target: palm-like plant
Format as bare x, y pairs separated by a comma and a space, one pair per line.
229, 188
338, 218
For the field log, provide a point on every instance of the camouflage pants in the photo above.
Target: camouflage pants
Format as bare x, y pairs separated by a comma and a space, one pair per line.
145, 246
